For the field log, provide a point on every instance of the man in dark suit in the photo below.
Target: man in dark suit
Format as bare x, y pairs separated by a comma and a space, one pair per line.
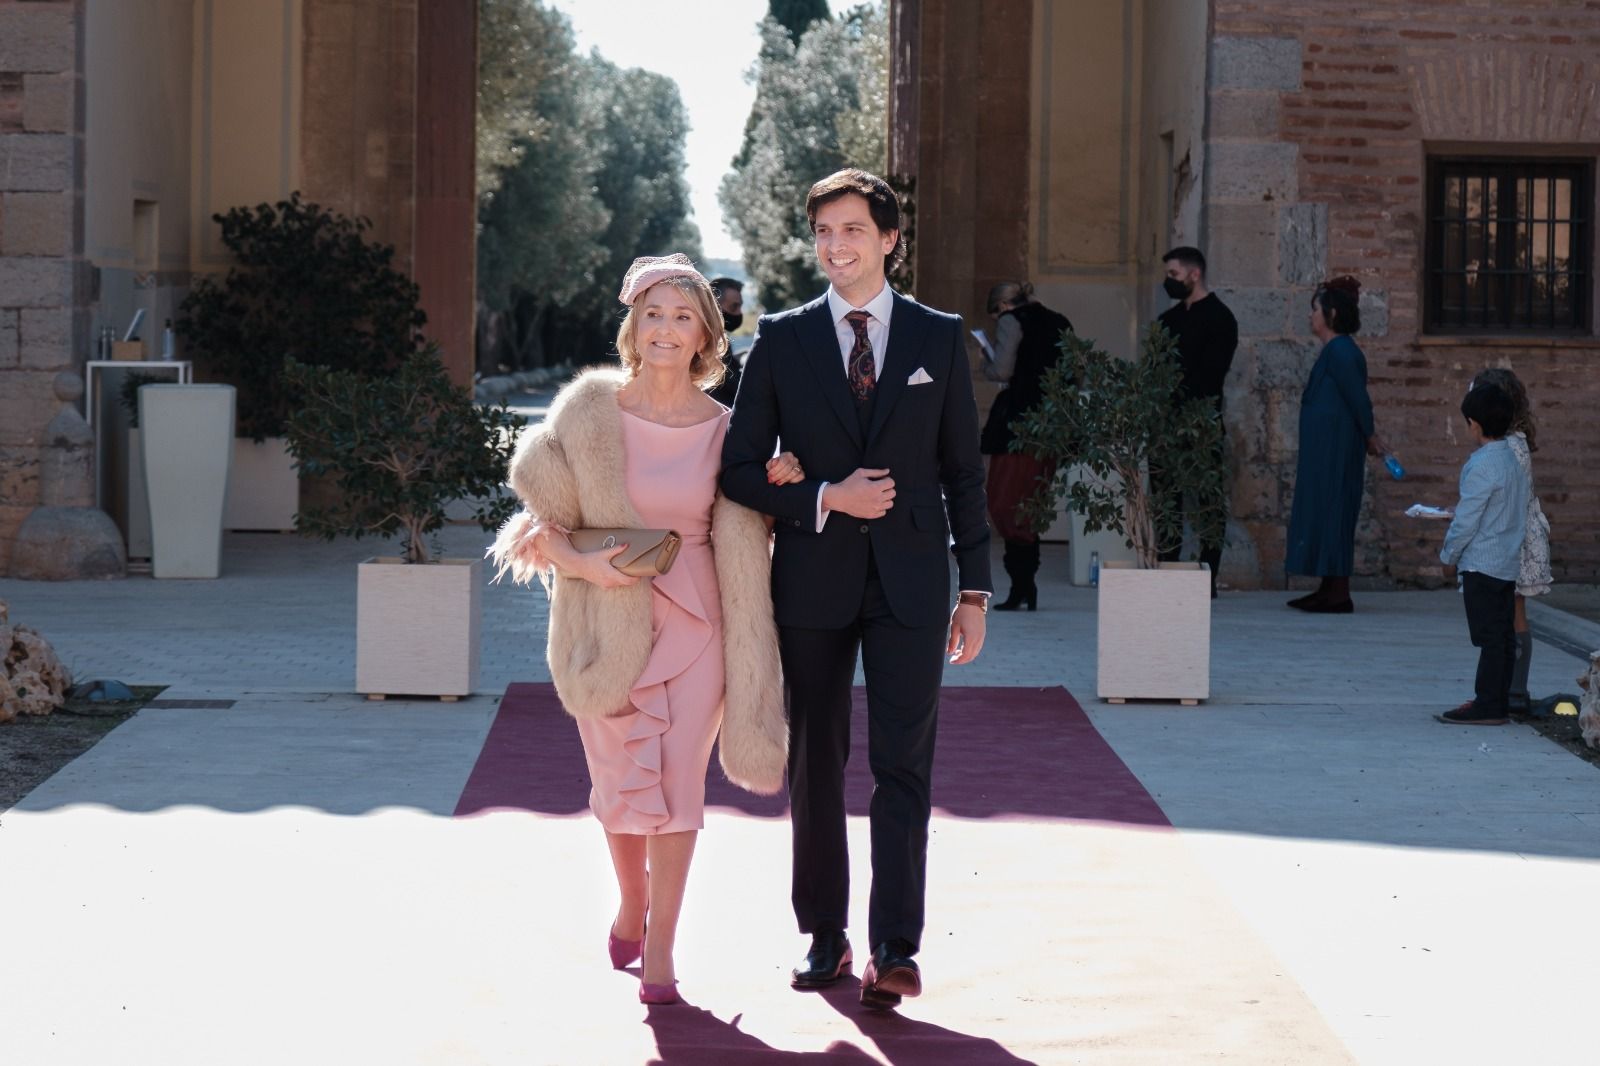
872, 392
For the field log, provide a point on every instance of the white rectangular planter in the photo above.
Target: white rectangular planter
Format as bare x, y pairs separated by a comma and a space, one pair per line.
1154, 632
264, 492
417, 627
185, 432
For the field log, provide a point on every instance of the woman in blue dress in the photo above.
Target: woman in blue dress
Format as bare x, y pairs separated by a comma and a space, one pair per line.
1336, 434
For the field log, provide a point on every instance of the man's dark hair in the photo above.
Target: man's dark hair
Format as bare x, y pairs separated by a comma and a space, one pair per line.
718, 284
1188, 256
1490, 406
882, 204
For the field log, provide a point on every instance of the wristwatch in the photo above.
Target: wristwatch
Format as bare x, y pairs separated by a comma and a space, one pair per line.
980, 600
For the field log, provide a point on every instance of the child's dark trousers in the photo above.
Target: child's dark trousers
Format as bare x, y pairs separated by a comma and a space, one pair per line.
1491, 613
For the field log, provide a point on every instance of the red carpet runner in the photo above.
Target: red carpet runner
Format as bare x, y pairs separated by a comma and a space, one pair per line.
1003, 752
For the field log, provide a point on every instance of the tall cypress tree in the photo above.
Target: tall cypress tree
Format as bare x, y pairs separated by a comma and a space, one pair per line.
796, 15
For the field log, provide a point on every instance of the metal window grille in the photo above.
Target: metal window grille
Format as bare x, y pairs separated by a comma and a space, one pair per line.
1509, 245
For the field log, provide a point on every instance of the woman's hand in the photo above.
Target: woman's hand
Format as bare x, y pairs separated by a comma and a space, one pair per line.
1376, 445
785, 469
594, 567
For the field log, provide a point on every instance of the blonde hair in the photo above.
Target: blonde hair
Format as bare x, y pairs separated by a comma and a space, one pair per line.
706, 369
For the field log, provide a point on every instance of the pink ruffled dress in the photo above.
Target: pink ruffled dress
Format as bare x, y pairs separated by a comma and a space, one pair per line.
648, 767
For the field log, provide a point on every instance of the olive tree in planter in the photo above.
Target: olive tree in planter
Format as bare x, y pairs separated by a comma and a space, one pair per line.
307, 285
399, 449
1124, 425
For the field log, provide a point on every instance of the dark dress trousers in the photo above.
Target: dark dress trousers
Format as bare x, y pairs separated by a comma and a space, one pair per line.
879, 587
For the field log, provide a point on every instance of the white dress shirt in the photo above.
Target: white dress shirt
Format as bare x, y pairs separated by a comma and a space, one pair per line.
880, 307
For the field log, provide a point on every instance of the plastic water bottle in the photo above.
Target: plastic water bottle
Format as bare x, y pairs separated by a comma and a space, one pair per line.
1094, 569
1394, 466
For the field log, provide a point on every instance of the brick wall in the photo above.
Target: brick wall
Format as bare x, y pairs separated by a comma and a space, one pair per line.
1321, 114
41, 184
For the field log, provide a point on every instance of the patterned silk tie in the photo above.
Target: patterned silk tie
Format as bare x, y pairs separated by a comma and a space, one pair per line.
862, 372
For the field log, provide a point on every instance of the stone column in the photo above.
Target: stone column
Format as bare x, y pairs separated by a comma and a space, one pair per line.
43, 317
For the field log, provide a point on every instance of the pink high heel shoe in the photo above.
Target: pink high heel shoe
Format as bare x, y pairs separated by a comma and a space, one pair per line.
623, 952
658, 995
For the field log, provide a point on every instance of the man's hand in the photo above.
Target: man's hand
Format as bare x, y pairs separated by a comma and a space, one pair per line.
967, 626
865, 494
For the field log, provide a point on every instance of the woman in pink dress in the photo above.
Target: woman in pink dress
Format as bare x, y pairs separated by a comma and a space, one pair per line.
648, 666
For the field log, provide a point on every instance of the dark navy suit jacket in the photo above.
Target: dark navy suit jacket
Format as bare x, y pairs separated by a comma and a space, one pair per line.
926, 435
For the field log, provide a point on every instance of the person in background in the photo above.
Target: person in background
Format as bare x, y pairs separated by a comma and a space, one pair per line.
1335, 428
1026, 339
1534, 577
1207, 336
1484, 545
730, 301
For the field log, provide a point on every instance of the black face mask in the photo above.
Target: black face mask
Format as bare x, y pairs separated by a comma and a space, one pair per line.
1177, 289
731, 322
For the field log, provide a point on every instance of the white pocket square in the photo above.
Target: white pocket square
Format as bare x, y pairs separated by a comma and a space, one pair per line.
919, 378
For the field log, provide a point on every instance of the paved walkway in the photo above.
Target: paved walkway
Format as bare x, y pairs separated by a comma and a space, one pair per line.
282, 881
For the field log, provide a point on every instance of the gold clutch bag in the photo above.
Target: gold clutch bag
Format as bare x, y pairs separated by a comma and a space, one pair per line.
650, 551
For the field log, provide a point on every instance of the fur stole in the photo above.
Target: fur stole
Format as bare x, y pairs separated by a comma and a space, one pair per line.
570, 472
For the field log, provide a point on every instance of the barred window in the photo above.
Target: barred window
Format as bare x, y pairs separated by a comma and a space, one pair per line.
1509, 245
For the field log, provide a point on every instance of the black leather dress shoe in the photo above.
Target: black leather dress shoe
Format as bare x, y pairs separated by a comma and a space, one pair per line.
826, 962
891, 974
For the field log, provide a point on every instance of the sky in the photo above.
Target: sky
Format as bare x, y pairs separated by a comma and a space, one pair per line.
708, 56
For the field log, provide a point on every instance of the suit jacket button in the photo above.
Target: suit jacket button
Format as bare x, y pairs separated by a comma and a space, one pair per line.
863, 529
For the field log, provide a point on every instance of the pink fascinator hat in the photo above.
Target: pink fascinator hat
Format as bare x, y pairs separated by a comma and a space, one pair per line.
647, 270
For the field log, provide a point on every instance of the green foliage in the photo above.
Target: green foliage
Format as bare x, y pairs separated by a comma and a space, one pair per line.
581, 171
796, 16
306, 285
128, 392
1121, 420
400, 448
821, 105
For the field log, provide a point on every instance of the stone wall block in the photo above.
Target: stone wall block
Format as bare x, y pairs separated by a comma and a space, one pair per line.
27, 403
47, 105
36, 223
46, 338
1303, 244
1242, 244
19, 476
1374, 313
36, 37
1261, 312
35, 162
34, 282
1248, 116
1282, 419
8, 338
1285, 365
1253, 172
1255, 63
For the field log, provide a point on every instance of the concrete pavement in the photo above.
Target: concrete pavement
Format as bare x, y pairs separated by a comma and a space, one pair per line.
1384, 885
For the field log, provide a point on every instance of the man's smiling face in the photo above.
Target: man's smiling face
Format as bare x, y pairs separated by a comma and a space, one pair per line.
850, 247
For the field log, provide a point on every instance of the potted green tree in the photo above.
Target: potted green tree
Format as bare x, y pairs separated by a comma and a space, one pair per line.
399, 449
1118, 426
306, 284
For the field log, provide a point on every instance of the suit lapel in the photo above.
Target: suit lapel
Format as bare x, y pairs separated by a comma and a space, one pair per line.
820, 344
899, 363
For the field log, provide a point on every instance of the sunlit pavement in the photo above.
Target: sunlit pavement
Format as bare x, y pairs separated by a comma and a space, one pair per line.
282, 880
